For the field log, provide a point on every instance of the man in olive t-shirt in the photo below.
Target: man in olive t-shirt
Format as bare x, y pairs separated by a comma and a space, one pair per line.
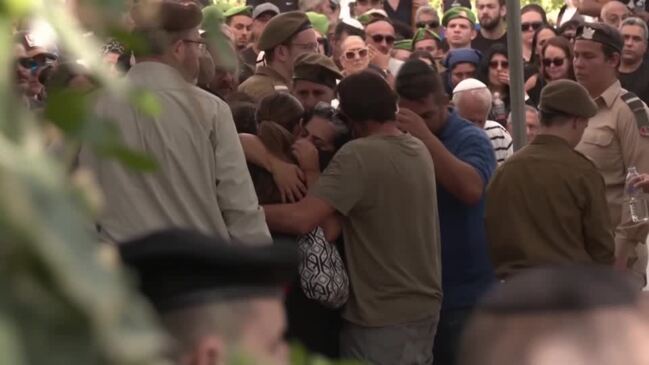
383, 184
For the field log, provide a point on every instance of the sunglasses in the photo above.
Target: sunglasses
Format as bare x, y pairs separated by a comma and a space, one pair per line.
36, 62
502, 64
526, 27
379, 38
431, 24
553, 61
362, 53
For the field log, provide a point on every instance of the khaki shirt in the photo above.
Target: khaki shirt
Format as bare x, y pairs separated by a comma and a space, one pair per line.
547, 205
264, 82
202, 181
613, 142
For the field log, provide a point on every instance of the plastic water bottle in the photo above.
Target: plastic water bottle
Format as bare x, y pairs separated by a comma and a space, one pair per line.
635, 199
499, 110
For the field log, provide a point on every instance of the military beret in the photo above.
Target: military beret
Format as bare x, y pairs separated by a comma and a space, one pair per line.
264, 8
180, 268
567, 97
319, 22
281, 28
371, 16
458, 12
404, 44
238, 10
601, 33
167, 15
424, 33
316, 68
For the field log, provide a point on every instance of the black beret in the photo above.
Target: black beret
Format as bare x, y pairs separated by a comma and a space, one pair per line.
180, 268
167, 15
281, 28
601, 33
317, 68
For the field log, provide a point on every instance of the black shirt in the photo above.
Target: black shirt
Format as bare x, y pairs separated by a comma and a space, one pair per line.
483, 44
637, 81
403, 13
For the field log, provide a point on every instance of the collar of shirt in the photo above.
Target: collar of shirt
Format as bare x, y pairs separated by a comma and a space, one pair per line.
449, 127
550, 140
609, 95
156, 75
272, 73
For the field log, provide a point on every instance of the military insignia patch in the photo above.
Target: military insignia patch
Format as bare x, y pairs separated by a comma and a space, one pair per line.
588, 33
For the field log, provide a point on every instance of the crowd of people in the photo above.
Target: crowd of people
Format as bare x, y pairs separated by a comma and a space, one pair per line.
379, 145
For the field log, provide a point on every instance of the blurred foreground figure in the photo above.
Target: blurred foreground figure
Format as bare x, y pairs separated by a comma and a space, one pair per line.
569, 315
222, 303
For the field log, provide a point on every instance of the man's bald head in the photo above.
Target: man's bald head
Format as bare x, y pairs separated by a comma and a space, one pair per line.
613, 13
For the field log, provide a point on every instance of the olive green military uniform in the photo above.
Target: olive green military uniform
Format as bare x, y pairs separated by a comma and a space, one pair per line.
264, 82
546, 205
616, 139
279, 30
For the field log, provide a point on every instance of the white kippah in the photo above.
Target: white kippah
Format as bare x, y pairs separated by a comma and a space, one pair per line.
353, 23
469, 84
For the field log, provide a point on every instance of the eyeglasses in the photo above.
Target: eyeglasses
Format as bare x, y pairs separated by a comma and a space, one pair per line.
313, 47
431, 24
200, 44
351, 54
36, 62
526, 27
502, 64
379, 38
547, 62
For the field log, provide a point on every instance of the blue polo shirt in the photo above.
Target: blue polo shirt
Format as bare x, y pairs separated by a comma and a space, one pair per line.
466, 268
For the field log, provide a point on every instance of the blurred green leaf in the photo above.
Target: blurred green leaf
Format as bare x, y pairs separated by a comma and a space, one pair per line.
16, 8
133, 159
146, 102
68, 109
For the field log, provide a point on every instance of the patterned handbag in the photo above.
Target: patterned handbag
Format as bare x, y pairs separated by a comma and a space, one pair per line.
323, 277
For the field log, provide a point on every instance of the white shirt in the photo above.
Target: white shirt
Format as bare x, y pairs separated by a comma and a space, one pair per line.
202, 181
500, 140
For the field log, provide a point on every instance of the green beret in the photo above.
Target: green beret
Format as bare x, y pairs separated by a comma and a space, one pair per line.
281, 28
601, 33
238, 10
316, 68
319, 22
372, 15
424, 33
404, 44
567, 97
167, 15
458, 12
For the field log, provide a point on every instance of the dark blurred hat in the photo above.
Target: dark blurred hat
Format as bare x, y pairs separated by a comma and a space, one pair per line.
265, 8
448, 4
180, 268
316, 68
458, 12
567, 97
167, 15
601, 33
281, 28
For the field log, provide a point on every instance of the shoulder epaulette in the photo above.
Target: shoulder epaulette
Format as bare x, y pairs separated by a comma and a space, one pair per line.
638, 109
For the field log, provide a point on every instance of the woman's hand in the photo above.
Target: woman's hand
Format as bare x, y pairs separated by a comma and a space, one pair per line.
289, 180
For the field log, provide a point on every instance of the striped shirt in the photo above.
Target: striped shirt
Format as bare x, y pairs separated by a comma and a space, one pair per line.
500, 140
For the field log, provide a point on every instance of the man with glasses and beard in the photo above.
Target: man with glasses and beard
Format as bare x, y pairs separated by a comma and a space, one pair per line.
285, 38
491, 14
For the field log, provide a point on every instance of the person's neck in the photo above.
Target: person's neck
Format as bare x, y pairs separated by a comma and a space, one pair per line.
499, 89
281, 69
527, 51
630, 66
597, 90
383, 129
495, 33
468, 45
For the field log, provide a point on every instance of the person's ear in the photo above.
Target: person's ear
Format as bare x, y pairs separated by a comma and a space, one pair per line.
210, 350
503, 11
178, 49
474, 34
282, 53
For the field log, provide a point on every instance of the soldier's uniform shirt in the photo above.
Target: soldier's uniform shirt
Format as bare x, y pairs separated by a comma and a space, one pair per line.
613, 142
547, 205
201, 183
264, 82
